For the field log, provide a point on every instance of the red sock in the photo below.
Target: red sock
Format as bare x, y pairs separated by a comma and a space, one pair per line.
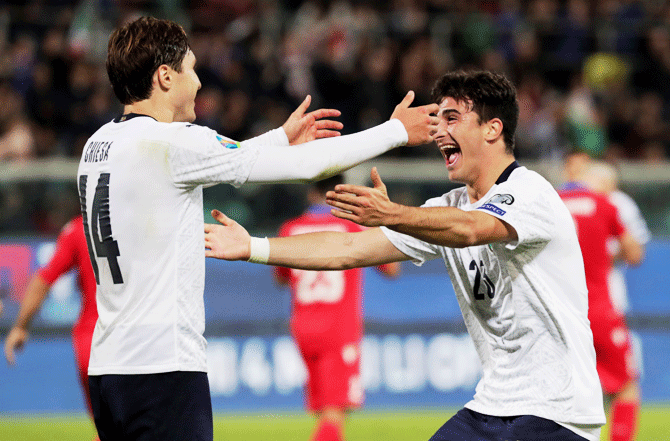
624, 420
327, 431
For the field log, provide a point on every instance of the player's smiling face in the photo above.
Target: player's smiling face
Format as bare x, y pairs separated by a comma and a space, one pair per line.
460, 140
187, 85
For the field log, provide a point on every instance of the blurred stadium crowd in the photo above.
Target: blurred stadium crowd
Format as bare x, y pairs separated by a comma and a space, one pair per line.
591, 75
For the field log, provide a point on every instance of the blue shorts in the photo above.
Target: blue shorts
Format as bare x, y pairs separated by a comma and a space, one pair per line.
172, 406
468, 425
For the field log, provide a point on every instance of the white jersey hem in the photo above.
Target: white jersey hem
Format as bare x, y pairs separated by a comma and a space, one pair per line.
139, 370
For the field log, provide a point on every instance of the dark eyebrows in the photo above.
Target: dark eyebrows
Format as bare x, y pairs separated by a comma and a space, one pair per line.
445, 112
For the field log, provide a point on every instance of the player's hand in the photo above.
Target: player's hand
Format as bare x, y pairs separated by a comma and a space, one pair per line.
366, 206
301, 127
420, 122
14, 342
228, 241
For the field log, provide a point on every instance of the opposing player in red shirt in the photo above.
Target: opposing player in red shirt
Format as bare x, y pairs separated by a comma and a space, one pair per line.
597, 220
71, 252
327, 320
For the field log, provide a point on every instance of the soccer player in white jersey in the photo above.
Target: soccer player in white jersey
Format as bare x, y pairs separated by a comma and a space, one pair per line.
140, 184
511, 250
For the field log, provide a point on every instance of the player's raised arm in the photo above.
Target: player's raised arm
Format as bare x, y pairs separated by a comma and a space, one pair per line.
328, 156
228, 240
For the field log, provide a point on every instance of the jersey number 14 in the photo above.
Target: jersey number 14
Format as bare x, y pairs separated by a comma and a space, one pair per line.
99, 231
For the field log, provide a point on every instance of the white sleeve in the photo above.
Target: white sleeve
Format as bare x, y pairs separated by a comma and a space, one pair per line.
631, 216
325, 157
527, 208
418, 250
272, 137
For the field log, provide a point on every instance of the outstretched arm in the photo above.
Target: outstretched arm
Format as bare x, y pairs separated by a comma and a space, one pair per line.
446, 226
326, 157
313, 251
18, 335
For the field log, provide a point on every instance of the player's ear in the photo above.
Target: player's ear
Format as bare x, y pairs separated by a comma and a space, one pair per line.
493, 129
163, 77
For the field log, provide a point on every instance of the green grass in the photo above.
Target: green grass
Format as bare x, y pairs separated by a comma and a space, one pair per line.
365, 425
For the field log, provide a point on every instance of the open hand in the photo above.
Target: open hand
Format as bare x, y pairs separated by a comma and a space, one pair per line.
420, 122
301, 127
366, 206
228, 241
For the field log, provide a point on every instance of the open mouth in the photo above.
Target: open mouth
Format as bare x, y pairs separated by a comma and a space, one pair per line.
451, 153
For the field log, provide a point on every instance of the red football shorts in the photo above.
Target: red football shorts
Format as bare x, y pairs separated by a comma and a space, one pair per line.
615, 359
333, 378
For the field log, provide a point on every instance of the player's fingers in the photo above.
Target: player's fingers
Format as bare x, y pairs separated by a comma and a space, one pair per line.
328, 124
342, 206
430, 109
326, 134
325, 113
407, 100
9, 354
349, 188
376, 179
344, 198
304, 105
343, 214
221, 218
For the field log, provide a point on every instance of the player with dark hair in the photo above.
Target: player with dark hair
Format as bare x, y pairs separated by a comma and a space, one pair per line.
70, 253
597, 221
327, 319
140, 184
511, 250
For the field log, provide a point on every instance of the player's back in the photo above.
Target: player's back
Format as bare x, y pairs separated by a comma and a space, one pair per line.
144, 224
324, 303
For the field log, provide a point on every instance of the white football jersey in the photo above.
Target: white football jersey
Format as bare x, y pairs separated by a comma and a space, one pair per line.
631, 217
140, 185
524, 303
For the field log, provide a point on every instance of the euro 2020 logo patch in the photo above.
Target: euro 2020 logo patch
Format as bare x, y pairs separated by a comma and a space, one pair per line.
506, 199
503, 199
228, 143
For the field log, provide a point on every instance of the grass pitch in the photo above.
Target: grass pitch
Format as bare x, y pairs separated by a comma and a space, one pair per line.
398, 425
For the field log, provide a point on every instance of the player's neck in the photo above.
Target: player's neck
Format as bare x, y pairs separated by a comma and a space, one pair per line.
152, 108
490, 171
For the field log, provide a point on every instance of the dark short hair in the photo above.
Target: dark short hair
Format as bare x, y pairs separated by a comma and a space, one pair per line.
328, 184
137, 49
490, 94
